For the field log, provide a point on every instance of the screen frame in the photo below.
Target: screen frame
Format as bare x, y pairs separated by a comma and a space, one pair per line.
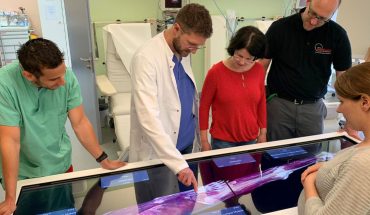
143, 165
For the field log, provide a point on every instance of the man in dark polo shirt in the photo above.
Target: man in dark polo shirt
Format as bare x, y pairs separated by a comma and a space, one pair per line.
303, 48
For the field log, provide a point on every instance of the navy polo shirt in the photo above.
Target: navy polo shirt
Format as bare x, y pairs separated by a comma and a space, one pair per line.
186, 90
301, 60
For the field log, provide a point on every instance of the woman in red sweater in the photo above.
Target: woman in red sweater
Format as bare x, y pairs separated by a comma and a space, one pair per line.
234, 88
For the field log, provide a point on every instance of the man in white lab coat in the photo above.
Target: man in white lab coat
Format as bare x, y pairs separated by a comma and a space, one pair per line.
164, 99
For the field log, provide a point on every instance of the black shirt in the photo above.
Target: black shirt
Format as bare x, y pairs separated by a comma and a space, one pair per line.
301, 60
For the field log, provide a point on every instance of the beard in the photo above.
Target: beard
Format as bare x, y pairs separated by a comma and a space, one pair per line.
177, 46
308, 26
40, 85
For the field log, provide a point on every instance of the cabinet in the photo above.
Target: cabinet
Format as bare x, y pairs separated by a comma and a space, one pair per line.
11, 38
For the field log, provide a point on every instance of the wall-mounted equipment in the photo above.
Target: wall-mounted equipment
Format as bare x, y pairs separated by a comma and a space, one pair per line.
171, 4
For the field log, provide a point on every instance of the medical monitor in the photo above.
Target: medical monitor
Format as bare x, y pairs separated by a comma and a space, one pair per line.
171, 4
261, 172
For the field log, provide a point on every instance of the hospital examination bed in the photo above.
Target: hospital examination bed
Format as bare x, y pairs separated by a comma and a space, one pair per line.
120, 43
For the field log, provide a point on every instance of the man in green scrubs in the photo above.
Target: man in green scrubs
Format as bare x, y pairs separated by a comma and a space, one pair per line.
37, 94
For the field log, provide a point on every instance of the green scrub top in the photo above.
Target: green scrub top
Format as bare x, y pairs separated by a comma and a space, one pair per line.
41, 115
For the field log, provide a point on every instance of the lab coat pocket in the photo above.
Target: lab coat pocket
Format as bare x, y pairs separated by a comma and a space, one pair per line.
171, 118
145, 150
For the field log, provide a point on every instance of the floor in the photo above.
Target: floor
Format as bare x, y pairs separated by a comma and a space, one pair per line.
109, 146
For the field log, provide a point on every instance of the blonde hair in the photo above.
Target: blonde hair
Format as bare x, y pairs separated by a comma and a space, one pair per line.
354, 82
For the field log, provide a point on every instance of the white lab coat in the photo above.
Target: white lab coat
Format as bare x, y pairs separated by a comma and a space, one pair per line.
155, 105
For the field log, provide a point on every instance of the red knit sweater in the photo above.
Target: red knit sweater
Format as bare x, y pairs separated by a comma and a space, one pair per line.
238, 106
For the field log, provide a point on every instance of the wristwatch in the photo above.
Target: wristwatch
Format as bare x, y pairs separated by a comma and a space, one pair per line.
102, 157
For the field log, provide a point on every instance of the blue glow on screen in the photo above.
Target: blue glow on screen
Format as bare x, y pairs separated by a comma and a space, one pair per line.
69, 211
286, 152
233, 160
122, 179
236, 210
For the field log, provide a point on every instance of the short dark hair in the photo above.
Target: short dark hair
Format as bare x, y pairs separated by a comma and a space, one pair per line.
195, 18
37, 54
250, 38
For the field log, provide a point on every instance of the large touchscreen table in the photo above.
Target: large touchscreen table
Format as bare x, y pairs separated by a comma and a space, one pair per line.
253, 179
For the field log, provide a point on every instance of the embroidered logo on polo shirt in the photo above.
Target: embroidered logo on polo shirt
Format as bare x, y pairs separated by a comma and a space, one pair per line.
319, 49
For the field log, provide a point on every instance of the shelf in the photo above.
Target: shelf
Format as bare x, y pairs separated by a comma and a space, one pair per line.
14, 28
11, 38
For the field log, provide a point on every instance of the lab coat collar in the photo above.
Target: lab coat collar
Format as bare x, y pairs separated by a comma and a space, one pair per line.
184, 60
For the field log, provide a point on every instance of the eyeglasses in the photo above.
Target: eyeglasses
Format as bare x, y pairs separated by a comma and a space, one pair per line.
313, 15
191, 46
239, 58
195, 47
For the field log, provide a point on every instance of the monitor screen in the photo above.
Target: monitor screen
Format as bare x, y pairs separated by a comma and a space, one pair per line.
244, 182
173, 4
286, 152
233, 160
122, 179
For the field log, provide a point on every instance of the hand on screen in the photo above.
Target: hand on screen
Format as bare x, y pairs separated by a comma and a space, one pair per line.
186, 176
7, 207
112, 164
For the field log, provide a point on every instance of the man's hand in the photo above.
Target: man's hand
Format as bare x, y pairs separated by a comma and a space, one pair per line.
186, 176
112, 164
7, 206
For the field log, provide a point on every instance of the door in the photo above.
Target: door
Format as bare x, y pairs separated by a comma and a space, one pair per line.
53, 24
80, 43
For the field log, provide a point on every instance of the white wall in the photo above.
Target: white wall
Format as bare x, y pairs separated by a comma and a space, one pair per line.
354, 16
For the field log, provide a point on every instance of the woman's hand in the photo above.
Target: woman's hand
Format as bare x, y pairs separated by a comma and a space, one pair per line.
262, 136
309, 185
206, 146
311, 169
204, 140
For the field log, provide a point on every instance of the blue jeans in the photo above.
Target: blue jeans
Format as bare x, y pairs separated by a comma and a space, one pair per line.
220, 144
